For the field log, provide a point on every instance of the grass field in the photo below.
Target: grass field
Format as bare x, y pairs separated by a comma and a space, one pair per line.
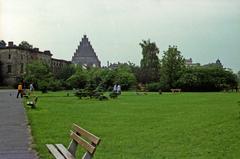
153, 126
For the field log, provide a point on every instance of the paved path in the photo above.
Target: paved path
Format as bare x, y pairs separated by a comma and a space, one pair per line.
15, 138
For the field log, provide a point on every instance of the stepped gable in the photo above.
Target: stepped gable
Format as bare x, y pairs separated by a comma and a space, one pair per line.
85, 54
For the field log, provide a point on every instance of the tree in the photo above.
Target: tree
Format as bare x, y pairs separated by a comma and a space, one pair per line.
66, 72
219, 64
2, 44
79, 79
172, 66
150, 65
125, 77
25, 45
39, 73
207, 79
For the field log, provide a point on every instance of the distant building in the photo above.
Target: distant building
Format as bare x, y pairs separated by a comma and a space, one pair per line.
58, 64
14, 60
216, 64
85, 54
189, 62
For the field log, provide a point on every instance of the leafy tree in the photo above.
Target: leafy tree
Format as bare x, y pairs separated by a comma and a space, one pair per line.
108, 78
66, 72
79, 79
207, 79
172, 66
94, 76
55, 85
2, 43
219, 64
150, 65
25, 45
39, 73
125, 77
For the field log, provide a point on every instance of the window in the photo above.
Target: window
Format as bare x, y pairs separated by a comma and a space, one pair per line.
21, 57
22, 66
9, 56
9, 69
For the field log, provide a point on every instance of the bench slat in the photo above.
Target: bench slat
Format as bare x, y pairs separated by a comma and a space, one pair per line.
86, 134
54, 151
90, 148
64, 151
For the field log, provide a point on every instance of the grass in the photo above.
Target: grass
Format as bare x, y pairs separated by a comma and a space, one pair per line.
153, 126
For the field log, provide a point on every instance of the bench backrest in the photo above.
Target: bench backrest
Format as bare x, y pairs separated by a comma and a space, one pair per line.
83, 138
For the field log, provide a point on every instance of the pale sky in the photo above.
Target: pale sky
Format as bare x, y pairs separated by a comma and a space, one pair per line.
204, 30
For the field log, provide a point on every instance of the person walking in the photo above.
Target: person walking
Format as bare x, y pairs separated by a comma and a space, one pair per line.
31, 88
20, 90
119, 89
115, 88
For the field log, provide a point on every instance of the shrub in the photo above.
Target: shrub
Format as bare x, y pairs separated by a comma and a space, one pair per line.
43, 86
153, 87
113, 95
81, 93
55, 85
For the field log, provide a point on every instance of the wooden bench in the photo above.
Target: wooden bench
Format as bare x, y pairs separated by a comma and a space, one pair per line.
175, 90
79, 137
33, 102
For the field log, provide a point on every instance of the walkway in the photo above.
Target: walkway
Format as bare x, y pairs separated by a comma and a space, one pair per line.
15, 138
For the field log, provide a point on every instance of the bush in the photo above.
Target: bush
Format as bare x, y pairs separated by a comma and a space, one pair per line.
78, 80
81, 93
153, 87
43, 86
113, 95
55, 85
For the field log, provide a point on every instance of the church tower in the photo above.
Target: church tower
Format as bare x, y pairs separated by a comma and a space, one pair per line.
85, 54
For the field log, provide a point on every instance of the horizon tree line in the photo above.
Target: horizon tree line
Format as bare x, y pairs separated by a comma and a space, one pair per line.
156, 74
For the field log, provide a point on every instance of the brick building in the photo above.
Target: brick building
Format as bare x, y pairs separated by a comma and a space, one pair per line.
14, 59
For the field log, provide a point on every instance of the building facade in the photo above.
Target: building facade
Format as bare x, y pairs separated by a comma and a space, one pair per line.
14, 59
189, 63
85, 54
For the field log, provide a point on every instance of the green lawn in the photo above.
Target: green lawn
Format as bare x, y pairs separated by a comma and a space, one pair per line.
153, 126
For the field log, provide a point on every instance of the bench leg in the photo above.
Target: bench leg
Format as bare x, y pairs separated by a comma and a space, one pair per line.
33, 106
87, 155
72, 148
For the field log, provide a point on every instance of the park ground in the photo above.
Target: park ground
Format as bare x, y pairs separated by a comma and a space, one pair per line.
152, 126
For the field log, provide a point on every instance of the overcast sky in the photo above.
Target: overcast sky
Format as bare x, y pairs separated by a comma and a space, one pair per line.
204, 30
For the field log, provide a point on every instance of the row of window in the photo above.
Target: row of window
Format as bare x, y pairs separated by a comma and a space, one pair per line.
9, 68
57, 64
10, 56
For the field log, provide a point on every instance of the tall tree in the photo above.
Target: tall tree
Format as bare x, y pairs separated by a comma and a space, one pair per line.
150, 64
173, 64
39, 73
25, 45
66, 72
2, 44
79, 79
